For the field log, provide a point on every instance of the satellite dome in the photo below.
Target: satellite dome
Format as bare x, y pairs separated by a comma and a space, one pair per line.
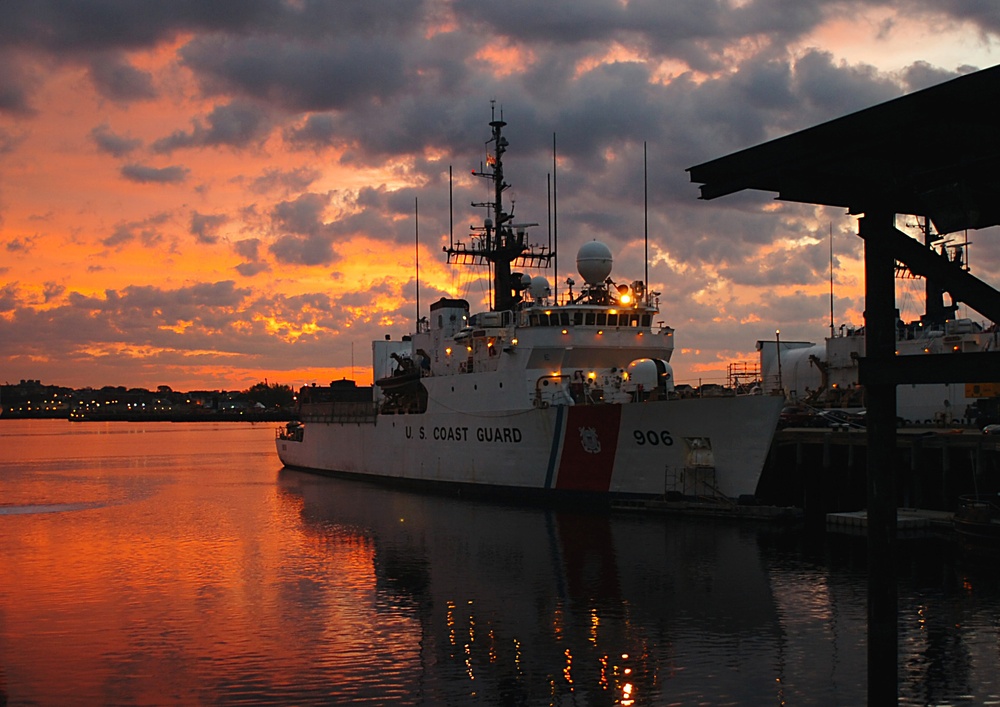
539, 287
593, 262
650, 374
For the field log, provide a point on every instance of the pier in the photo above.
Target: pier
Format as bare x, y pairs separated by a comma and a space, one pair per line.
933, 153
825, 470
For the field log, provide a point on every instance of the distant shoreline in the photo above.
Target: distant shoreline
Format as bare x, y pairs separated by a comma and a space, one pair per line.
277, 416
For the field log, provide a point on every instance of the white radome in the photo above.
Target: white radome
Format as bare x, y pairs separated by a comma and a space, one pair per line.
593, 262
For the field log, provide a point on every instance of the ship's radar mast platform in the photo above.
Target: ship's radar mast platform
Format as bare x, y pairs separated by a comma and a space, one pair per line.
499, 242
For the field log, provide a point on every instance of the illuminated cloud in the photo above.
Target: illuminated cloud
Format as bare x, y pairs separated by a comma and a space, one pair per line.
159, 159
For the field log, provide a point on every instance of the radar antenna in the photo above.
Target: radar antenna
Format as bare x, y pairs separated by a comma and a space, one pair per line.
499, 242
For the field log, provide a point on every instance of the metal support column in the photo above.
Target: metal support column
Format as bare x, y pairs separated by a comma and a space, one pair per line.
880, 345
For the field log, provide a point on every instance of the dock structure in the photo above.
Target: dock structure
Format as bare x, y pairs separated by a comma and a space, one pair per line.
823, 470
934, 153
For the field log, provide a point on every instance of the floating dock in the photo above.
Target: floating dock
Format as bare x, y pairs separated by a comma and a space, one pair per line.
910, 523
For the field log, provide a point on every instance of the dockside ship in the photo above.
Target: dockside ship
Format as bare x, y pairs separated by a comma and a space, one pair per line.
538, 395
824, 376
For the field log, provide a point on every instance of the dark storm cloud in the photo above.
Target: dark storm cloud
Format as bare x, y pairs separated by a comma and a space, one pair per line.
250, 269
296, 76
984, 13
52, 290
805, 265
16, 81
19, 245
10, 297
147, 231
145, 174
307, 239
59, 26
827, 90
923, 75
236, 124
288, 181
295, 249
136, 324
8, 141
215, 317
206, 303
303, 215
115, 78
249, 250
695, 31
111, 143
205, 226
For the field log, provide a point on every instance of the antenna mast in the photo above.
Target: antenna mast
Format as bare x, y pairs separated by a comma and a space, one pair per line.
416, 254
499, 242
832, 329
645, 220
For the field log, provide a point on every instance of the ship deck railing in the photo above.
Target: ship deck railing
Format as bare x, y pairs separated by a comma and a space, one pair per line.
328, 412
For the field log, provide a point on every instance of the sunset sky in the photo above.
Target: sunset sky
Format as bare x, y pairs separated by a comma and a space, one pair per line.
211, 194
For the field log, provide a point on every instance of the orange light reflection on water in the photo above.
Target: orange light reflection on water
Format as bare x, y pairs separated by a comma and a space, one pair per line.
167, 573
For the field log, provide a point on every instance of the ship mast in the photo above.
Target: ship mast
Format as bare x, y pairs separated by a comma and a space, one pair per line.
499, 242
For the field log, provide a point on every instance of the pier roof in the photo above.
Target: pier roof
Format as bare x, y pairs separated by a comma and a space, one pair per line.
934, 153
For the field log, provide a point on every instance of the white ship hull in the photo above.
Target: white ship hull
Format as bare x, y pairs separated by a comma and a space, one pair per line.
541, 393
701, 446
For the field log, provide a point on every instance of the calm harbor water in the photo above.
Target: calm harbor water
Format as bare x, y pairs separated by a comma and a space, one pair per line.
180, 564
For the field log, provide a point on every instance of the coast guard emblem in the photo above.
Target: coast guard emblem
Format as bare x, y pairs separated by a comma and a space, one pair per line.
588, 438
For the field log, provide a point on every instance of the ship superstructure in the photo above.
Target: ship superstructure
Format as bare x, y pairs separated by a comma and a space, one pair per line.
535, 394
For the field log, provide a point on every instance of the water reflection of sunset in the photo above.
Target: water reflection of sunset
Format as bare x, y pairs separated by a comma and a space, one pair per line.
175, 563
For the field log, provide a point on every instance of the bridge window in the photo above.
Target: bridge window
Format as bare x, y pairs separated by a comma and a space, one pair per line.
602, 319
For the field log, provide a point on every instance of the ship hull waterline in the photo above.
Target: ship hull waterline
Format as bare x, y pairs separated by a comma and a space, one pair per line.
694, 447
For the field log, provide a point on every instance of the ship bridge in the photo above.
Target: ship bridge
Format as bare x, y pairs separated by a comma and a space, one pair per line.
933, 153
